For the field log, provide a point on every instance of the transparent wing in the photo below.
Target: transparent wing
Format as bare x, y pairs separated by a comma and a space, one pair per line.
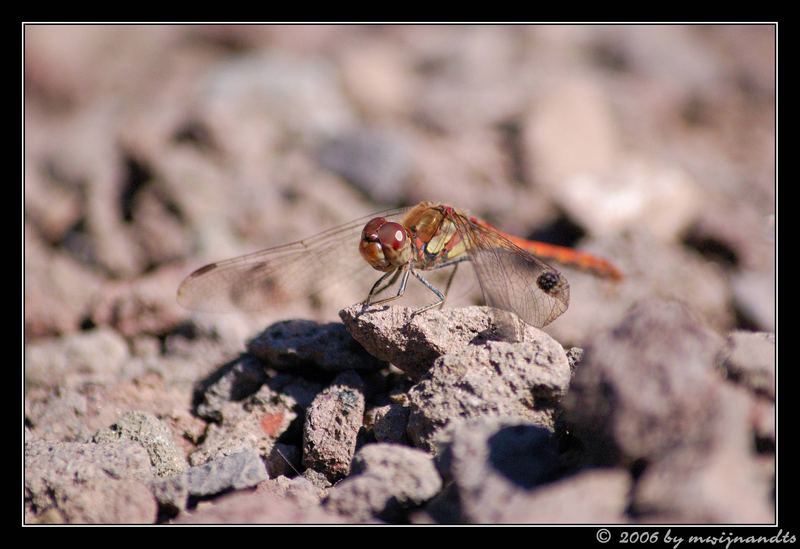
513, 279
256, 281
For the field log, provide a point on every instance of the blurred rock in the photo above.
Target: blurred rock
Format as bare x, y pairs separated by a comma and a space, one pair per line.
594, 496
650, 269
88, 483
645, 386
413, 342
298, 490
490, 461
379, 79
754, 297
230, 472
716, 481
252, 424
257, 508
385, 480
377, 162
294, 344
748, 358
390, 423
143, 305
332, 424
523, 380
58, 289
95, 356
155, 437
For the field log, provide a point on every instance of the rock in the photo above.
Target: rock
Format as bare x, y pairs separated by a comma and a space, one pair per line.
574, 357
96, 356
231, 472
283, 459
294, 344
718, 480
522, 380
155, 437
88, 483
257, 508
390, 423
413, 342
237, 380
332, 424
254, 423
145, 304
594, 496
645, 386
748, 358
490, 461
377, 162
298, 490
58, 416
386, 480
754, 297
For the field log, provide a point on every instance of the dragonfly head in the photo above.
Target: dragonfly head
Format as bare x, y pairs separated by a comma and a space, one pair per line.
384, 244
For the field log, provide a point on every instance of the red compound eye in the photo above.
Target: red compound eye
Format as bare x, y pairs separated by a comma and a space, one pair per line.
370, 232
392, 235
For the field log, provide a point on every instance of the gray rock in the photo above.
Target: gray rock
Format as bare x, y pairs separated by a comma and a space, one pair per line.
332, 424
754, 297
377, 162
413, 342
155, 437
232, 472
749, 358
522, 380
646, 385
386, 480
88, 483
490, 461
294, 344
574, 356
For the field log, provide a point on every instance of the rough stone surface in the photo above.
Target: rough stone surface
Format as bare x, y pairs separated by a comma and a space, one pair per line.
88, 483
645, 386
490, 461
294, 344
749, 358
235, 382
413, 342
386, 479
256, 422
332, 424
231, 472
523, 380
155, 437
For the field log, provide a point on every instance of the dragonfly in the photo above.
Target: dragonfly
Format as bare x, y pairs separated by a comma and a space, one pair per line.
511, 271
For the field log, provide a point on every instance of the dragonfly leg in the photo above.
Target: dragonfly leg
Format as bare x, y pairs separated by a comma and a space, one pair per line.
431, 288
402, 290
374, 291
453, 263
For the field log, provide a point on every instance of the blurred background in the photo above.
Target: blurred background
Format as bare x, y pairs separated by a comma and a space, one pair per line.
152, 150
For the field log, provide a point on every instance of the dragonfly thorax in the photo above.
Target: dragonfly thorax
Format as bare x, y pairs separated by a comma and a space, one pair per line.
385, 245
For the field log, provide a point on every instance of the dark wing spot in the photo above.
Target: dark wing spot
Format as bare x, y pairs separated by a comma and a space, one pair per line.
203, 270
547, 280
